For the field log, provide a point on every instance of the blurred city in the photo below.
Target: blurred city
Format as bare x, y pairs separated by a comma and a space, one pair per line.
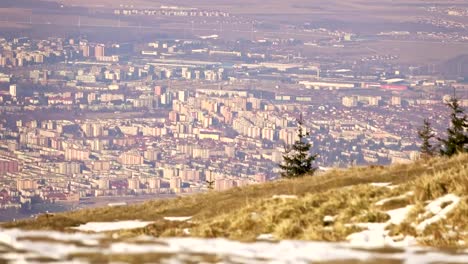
173, 100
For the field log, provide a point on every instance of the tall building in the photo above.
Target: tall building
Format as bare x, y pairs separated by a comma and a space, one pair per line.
101, 165
224, 184
97, 130
268, 133
96, 145
26, 184
349, 101
13, 90
396, 100
133, 183
159, 90
69, 168
152, 154
169, 173
131, 158
86, 50
182, 96
8, 166
104, 184
176, 183
173, 116
45, 76
99, 51
166, 99
38, 58
154, 183
288, 136
76, 154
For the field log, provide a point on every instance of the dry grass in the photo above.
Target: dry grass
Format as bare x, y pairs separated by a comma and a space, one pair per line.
454, 228
244, 213
53, 222
215, 203
54, 241
144, 258
300, 218
398, 202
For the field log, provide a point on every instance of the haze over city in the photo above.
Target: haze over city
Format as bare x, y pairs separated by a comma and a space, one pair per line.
108, 103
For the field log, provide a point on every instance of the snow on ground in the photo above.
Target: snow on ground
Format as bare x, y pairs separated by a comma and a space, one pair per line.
380, 184
329, 219
177, 218
376, 236
286, 251
58, 248
112, 226
403, 196
8, 236
266, 237
284, 196
397, 216
383, 184
435, 207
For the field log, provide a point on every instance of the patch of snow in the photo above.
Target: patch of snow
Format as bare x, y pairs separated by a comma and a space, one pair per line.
380, 184
376, 236
379, 238
369, 238
284, 196
383, 184
186, 231
10, 236
329, 219
112, 226
403, 196
15, 238
19, 257
435, 208
286, 251
397, 216
177, 218
266, 237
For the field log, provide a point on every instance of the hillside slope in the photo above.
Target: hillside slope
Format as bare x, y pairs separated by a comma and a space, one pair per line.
424, 202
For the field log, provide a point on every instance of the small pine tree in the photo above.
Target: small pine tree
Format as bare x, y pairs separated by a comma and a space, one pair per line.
297, 160
457, 136
426, 133
210, 184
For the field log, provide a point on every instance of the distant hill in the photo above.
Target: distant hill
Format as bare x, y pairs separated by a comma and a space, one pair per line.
425, 202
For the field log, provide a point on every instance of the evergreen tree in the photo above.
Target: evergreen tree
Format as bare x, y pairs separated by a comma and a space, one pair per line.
297, 160
210, 184
426, 133
457, 135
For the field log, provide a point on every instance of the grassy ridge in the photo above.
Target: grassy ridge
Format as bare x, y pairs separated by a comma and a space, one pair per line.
302, 218
244, 213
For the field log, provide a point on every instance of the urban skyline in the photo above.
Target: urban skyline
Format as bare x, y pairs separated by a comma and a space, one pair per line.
89, 113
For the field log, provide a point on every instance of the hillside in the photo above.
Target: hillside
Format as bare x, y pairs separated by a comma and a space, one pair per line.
423, 203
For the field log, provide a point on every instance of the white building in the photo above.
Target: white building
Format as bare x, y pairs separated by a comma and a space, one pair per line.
13, 90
